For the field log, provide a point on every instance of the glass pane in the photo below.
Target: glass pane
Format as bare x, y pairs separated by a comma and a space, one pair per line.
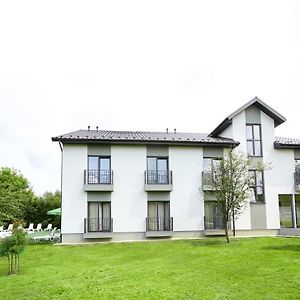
249, 132
152, 214
162, 174
93, 163
106, 223
259, 191
297, 166
256, 131
216, 163
167, 210
162, 164
160, 210
93, 216
250, 149
257, 146
151, 163
252, 175
206, 164
297, 202
105, 163
260, 198
259, 178
285, 210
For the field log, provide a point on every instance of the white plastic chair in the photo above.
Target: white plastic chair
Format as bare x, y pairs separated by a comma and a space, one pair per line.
39, 227
49, 227
30, 227
1, 229
10, 227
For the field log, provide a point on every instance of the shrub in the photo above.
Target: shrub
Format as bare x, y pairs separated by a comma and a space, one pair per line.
11, 247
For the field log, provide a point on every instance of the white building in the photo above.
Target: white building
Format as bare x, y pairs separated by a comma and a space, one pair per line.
120, 185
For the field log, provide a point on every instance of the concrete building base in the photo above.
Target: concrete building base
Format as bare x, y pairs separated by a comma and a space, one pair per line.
74, 238
289, 231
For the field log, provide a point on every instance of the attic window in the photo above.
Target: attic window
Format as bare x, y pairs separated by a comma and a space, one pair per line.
254, 140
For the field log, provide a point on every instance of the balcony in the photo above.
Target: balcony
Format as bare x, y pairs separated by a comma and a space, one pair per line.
98, 180
158, 180
297, 181
206, 181
98, 228
159, 227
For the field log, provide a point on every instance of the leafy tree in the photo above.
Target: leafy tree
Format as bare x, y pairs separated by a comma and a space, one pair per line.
231, 183
11, 247
36, 209
15, 192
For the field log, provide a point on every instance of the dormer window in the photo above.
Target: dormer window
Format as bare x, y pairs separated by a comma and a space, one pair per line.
254, 140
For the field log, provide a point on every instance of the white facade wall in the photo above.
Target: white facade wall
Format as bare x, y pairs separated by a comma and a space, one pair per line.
238, 133
186, 199
279, 178
129, 200
74, 208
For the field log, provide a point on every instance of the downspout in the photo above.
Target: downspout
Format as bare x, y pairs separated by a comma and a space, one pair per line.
61, 185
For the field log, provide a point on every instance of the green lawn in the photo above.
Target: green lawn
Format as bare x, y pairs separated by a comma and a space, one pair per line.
253, 268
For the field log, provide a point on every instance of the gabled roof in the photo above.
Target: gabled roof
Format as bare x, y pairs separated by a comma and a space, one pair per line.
276, 116
142, 137
286, 143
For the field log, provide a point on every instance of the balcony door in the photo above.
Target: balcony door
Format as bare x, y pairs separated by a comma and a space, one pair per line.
99, 216
213, 216
99, 170
157, 170
158, 215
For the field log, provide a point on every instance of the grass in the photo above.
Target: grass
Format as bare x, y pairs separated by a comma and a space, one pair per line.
253, 268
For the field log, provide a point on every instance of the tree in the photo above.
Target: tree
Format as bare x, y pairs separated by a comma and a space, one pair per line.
11, 247
231, 183
36, 209
14, 193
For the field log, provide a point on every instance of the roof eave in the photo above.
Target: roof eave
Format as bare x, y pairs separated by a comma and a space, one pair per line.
286, 146
150, 142
221, 127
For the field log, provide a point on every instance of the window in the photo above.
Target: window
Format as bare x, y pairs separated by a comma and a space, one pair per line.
158, 216
285, 211
213, 216
254, 140
99, 170
297, 166
157, 170
208, 163
257, 185
99, 216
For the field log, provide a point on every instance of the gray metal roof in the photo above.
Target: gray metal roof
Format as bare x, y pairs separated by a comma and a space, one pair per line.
276, 116
142, 137
284, 143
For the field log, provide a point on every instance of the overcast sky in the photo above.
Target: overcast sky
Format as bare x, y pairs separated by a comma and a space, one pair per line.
138, 65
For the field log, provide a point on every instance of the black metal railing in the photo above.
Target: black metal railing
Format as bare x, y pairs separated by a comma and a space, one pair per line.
98, 225
159, 224
98, 177
297, 178
213, 222
158, 177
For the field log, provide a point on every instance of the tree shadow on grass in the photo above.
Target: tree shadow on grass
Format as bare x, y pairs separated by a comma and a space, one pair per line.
291, 247
208, 242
